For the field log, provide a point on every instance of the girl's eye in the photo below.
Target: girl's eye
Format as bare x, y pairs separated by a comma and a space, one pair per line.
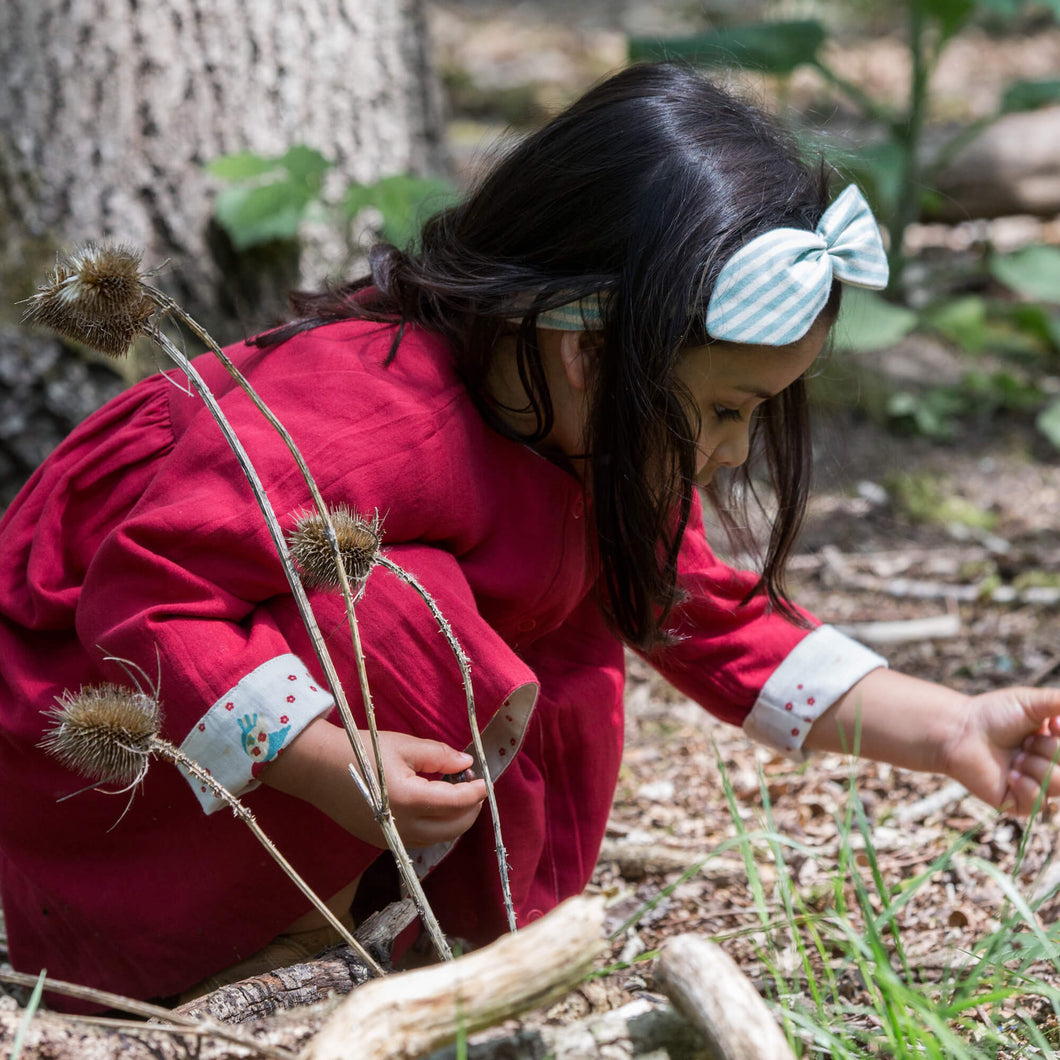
726, 414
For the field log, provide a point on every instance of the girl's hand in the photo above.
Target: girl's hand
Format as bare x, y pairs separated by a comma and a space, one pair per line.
315, 767
1005, 748
427, 811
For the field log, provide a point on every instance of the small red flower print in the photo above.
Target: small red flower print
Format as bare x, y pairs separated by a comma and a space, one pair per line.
312, 688
230, 706
508, 717
283, 719
810, 701
293, 677
794, 732
501, 751
799, 687
202, 788
290, 699
255, 752
263, 737
512, 742
788, 706
202, 726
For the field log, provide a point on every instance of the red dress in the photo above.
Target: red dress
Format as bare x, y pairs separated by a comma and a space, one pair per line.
138, 540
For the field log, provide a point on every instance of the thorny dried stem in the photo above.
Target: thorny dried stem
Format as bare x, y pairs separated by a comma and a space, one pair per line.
476, 737
110, 733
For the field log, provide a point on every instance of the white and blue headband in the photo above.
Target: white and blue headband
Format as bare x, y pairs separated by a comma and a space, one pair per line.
773, 288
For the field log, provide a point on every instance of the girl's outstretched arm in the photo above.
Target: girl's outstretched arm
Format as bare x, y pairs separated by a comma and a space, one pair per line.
1000, 745
315, 767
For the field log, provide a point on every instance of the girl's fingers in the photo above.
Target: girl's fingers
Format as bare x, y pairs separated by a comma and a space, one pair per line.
1041, 746
438, 798
1022, 794
433, 756
1037, 767
421, 830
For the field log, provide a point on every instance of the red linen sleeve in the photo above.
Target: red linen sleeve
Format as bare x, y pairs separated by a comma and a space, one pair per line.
746, 664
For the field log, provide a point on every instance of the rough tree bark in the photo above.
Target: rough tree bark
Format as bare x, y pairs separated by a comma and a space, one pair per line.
111, 106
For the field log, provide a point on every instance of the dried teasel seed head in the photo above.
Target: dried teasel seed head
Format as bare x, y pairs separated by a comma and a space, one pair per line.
94, 296
104, 732
358, 540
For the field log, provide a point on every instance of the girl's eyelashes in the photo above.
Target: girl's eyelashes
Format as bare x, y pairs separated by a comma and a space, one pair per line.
725, 414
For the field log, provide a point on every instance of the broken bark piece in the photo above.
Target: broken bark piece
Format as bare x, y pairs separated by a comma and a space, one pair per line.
337, 971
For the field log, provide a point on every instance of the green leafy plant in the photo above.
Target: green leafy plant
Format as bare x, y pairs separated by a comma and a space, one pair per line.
894, 171
268, 198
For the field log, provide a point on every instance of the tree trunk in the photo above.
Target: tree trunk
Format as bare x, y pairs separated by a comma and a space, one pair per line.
111, 107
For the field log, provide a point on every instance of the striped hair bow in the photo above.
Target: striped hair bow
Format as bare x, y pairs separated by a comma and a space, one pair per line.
772, 289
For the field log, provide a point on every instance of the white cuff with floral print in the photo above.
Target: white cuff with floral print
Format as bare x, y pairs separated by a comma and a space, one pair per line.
822, 667
251, 724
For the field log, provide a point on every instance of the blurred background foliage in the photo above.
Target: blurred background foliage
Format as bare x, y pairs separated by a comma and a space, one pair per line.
993, 305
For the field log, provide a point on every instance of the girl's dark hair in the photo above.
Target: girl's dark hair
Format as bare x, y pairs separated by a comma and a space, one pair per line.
641, 190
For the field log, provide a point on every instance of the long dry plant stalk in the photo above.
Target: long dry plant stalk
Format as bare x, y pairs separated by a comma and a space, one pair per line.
476, 737
97, 296
370, 788
109, 734
340, 568
359, 545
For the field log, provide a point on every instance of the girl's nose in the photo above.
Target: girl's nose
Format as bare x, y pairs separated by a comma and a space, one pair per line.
732, 450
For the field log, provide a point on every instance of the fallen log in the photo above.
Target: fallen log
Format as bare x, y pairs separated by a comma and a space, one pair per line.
408, 1015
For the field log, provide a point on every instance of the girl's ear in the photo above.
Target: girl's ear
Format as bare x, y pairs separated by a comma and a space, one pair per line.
578, 351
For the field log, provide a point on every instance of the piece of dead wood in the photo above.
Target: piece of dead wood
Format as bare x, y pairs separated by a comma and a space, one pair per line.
648, 1027
410, 1014
336, 972
904, 631
708, 988
925, 589
923, 808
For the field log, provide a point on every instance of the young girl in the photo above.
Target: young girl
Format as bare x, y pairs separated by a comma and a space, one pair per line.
624, 308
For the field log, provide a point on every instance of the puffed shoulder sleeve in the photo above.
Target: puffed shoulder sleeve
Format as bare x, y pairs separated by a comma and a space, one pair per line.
747, 664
